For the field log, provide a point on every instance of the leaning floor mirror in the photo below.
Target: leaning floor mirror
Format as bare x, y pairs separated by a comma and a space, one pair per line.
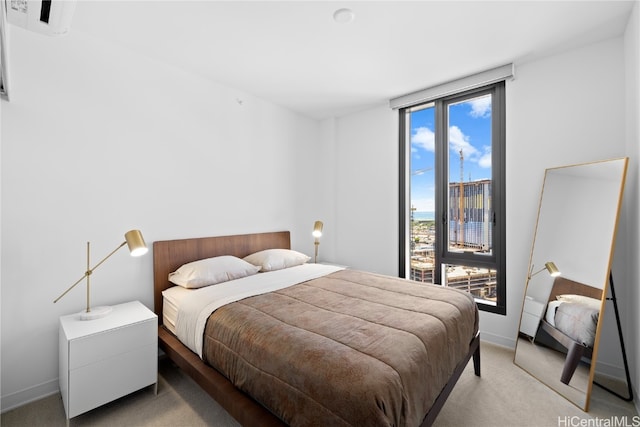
569, 268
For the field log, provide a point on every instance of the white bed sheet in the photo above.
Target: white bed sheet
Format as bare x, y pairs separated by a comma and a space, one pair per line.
172, 298
185, 311
550, 315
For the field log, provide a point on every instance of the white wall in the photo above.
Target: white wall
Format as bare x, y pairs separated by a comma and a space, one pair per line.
97, 141
631, 303
365, 174
563, 109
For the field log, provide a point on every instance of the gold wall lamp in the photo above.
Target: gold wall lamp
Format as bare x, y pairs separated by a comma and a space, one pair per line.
317, 233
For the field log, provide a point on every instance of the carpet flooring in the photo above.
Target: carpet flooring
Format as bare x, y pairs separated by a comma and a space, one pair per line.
505, 395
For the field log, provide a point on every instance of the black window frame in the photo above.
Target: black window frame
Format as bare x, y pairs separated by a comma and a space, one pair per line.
497, 259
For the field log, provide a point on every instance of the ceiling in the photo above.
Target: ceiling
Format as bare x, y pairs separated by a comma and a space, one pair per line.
294, 54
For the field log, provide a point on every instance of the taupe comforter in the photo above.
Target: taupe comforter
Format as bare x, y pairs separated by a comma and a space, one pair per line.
350, 348
578, 321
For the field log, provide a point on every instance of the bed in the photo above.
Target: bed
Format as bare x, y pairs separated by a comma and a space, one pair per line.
571, 320
248, 393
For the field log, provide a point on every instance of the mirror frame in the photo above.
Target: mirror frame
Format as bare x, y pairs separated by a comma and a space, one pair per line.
605, 284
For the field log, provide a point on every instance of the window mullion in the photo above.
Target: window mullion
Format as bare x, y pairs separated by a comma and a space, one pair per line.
441, 214
404, 192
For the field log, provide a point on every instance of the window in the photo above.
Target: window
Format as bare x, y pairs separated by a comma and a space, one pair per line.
452, 205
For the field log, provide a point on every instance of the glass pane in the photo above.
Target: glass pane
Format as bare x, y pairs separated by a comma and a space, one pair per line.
422, 188
480, 282
469, 175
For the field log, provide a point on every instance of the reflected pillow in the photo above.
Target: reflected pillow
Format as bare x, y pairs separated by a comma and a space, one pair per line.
580, 299
277, 259
211, 271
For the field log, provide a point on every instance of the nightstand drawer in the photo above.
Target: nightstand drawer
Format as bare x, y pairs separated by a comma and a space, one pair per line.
112, 378
533, 307
96, 347
529, 324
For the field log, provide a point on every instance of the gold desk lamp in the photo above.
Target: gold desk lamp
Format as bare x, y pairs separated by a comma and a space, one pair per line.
317, 233
137, 247
550, 267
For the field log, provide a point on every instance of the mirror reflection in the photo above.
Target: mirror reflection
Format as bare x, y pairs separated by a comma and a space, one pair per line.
568, 273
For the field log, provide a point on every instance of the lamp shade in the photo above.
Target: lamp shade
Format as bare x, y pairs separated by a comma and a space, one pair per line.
317, 229
135, 242
552, 269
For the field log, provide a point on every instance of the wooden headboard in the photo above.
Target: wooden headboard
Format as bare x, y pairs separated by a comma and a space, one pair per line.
169, 255
562, 286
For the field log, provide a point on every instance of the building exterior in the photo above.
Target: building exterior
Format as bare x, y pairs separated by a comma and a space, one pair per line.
470, 215
470, 221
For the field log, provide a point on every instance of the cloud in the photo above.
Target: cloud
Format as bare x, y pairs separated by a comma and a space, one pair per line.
481, 107
459, 141
485, 160
424, 138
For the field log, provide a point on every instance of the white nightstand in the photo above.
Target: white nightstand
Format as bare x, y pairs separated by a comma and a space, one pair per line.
104, 359
531, 315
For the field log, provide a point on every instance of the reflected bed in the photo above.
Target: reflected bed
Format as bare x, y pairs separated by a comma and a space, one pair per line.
575, 330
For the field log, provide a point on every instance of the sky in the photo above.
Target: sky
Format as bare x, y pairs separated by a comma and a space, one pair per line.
469, 131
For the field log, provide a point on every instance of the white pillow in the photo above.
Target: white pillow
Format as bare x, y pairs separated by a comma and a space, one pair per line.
277, 259
580, 299
210, 271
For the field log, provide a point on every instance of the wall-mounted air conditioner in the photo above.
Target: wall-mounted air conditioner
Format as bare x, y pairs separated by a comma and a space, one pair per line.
50, 17
4, 68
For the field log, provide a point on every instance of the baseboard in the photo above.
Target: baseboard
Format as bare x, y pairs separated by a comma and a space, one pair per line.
28, 395
611, 371
498, 340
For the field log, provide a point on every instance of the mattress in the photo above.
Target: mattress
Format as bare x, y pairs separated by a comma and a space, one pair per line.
172, 299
